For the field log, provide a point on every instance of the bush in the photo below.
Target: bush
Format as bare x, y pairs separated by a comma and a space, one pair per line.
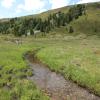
71, 30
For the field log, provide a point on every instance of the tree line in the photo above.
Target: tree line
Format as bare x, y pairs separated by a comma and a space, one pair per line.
20, 26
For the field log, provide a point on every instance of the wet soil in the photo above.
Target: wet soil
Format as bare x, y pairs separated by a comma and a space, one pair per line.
55, 85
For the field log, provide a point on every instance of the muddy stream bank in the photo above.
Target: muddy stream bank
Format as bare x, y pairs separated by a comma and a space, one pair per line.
55, 85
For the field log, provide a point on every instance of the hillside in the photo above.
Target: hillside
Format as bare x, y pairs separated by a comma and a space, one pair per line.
87, 23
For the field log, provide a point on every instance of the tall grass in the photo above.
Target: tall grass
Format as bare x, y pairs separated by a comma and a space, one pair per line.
14, 71
77, 60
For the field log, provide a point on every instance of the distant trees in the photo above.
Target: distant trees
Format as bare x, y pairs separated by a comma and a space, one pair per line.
20, 26
76, 11
31, 31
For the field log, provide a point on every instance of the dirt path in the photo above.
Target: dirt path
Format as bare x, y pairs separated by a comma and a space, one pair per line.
55, 85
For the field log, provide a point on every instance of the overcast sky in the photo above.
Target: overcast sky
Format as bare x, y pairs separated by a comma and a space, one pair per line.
15, 8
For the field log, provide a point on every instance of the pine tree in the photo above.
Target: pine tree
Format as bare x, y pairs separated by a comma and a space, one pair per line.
71, 29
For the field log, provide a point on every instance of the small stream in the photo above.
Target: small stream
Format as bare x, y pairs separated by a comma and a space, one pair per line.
55, 85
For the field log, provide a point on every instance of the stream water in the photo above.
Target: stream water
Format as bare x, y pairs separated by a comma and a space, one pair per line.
55, 85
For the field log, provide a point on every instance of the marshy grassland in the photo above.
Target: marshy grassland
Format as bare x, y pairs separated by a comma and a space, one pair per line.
77, 59
14, 71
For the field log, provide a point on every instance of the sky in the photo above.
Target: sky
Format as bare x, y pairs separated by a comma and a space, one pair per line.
16, 8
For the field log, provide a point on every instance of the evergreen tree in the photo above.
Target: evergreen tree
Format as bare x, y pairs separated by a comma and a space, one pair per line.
71, 29
31, 31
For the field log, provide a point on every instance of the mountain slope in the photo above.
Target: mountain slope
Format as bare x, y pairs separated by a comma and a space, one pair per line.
87, 23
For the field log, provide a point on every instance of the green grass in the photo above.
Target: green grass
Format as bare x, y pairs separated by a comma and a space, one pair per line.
77, 60
13, 73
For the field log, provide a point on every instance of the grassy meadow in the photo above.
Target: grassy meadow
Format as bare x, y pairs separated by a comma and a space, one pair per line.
77, 59
14, 70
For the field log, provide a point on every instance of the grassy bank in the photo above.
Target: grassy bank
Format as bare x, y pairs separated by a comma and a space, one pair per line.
14, 70
78, 60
